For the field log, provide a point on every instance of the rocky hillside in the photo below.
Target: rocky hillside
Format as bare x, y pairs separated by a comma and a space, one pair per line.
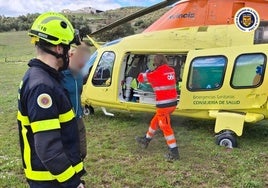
101, 19
89, 19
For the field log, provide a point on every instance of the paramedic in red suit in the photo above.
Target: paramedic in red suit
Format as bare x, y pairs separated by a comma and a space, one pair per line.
163, 82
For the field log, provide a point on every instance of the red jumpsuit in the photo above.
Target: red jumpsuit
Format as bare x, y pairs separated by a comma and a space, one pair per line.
163, 82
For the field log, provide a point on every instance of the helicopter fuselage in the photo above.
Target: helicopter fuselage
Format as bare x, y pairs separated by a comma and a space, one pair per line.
224, 71
218, 49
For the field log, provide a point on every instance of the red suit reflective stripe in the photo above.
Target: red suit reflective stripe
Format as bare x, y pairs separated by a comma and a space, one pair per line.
163, 82
166, 101
162, 120
164, 88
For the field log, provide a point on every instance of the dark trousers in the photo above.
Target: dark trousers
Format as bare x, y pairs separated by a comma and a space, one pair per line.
43, 184
82, 137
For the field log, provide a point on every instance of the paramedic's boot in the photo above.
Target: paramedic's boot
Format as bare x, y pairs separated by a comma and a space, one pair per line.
143, 141
173, 154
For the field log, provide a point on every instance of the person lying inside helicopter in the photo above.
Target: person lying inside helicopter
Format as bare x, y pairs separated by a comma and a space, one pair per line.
138, 64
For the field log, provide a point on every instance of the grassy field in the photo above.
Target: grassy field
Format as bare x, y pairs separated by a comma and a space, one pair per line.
114, 160
15, 47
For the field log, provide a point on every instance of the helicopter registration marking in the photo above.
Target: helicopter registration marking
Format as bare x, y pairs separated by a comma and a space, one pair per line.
247, 19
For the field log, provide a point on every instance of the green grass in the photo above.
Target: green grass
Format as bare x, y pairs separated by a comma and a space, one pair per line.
114, 159
15, 47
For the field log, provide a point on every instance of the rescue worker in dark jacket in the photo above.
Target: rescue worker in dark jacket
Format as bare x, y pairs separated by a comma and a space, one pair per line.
47, 127
163, 82
72, 81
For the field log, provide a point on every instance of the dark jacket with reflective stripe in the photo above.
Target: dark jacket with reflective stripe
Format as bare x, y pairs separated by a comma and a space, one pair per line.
163, 82
47, 128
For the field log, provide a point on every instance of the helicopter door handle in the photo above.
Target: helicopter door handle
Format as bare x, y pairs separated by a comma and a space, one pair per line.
105, 90
252, 96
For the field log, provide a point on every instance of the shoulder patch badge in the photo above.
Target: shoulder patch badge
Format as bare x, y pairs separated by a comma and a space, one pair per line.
44, 100
247, 19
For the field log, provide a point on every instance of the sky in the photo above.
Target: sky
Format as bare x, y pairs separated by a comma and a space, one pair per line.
22, 7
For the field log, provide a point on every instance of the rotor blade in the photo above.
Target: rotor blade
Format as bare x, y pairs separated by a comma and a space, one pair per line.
136, 15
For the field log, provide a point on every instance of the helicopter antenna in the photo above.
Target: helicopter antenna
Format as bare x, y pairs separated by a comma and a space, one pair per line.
135, 15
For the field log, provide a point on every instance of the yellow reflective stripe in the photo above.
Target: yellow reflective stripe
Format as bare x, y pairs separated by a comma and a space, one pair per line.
38, 175
26, 149
67, 174
79, 167
23, 119
134, 84
47, 176
68, 116
45, 125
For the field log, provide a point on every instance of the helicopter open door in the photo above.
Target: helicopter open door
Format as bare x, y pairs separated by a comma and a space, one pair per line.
229, 78
134, 93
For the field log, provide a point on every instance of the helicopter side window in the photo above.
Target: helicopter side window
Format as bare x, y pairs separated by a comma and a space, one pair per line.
207, 73
103, 72
248, 71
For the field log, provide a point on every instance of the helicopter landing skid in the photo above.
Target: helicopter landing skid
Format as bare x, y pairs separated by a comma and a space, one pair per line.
107, 113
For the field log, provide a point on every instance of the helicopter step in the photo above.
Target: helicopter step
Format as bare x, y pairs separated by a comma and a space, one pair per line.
229, 125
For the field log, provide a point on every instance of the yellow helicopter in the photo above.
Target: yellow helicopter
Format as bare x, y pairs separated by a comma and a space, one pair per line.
218, 49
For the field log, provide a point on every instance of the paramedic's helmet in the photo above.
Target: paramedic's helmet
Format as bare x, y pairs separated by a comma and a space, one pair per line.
53, 28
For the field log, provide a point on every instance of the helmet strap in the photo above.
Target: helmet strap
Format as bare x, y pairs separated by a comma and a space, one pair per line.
64, 56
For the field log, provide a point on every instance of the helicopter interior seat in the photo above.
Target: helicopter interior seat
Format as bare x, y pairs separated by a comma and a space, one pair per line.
102, 76
258, 76
137, 65
257, 79
177, 63
177, 69
180, 61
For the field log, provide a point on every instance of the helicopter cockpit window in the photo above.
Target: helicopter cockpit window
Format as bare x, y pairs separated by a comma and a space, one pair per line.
261, 33
88, 67
207, 73
248, 71
103, 73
